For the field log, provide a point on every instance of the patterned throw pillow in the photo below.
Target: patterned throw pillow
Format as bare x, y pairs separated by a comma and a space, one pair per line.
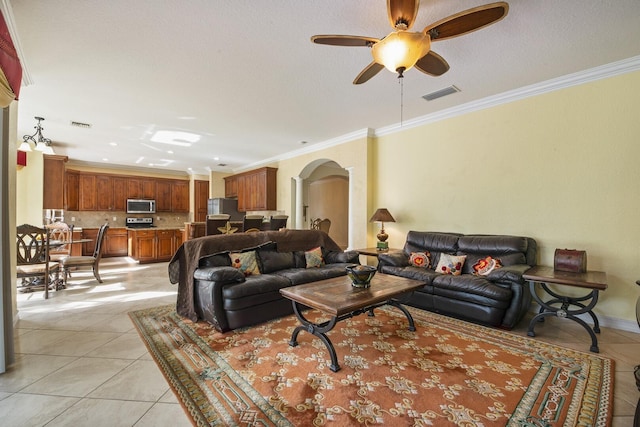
314, 257
451, 264
420, 259
245, 262
486, 265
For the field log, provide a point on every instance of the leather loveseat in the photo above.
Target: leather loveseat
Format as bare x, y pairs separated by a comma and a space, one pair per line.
496, 298
213, 289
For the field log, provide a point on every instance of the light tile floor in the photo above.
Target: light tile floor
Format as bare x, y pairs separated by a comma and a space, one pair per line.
80, 362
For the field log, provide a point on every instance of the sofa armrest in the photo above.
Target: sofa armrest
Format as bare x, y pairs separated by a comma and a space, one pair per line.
394, 259
208, 301
334, 257
224, 275
511, 273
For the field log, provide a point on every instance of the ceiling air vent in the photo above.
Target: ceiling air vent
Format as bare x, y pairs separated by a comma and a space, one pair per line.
81, 125
440, 93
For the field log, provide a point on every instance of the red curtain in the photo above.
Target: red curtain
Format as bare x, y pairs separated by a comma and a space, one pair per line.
9, 61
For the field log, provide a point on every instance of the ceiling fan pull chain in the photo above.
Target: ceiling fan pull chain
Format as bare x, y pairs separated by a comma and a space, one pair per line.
401, 81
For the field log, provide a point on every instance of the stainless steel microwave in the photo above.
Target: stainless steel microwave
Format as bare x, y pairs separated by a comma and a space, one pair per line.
141, 206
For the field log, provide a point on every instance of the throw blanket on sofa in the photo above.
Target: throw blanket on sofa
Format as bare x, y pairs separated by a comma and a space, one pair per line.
185, 261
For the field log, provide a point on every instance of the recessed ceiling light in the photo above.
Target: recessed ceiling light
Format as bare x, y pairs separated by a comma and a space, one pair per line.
113, 144
140, 159
186, 118
105, 159
170, 152
216, 158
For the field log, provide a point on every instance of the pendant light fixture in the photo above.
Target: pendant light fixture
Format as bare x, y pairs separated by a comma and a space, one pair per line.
40, 142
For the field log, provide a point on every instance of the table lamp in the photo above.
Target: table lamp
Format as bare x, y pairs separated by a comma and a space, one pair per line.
382, 215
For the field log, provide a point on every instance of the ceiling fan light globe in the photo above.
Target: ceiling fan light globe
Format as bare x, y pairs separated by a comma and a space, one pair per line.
401, 50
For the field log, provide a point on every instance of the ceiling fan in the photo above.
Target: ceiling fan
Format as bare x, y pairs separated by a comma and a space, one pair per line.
402, 49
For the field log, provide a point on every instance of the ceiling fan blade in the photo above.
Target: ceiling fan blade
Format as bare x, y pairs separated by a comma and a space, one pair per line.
402, 12
432, 64
369, 71
338, 40
467, 21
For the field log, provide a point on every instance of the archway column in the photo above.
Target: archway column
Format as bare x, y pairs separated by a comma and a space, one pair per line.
299, 202
351, 221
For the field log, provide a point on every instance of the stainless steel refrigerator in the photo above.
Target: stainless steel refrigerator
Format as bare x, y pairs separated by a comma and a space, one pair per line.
225, 206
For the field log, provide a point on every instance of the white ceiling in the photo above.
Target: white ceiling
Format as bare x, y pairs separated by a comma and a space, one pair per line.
244, 76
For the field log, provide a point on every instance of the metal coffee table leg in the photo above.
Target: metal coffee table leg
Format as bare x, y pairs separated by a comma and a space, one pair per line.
318, 330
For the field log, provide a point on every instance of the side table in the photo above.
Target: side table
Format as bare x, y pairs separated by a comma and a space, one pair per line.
374, 251
561, 305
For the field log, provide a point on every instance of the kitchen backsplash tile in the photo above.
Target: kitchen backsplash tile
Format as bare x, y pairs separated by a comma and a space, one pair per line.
118, 219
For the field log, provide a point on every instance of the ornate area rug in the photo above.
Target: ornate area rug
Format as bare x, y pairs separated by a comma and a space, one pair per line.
447, 372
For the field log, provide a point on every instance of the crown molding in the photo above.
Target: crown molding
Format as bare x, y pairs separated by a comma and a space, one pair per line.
602, 72
362, 133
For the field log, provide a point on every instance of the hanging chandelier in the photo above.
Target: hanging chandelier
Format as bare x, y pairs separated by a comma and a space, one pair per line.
40, 142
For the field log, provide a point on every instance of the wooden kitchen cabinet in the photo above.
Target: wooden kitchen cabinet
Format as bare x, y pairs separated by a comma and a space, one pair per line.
119, 193
256, 189
115, 242
165, 244
72, 191
142, 245
153, 245
54, 179
104, 193
141, 188
231, 186
180, 196
87, 192
163, 195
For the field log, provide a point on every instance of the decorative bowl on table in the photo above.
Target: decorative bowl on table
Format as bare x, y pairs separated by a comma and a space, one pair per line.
361, 275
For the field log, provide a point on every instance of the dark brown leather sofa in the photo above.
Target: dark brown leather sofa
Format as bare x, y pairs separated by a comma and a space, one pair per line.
500, 298
211, 289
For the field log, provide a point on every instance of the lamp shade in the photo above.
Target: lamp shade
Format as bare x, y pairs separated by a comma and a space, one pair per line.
401, 50
382, 215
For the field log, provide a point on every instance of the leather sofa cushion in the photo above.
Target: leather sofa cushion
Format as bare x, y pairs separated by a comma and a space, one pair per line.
333, 257
298, 276
220, 259
271, 260
219, 274
419, 241
479, 244
416, 273
254, 286
511, 250
469, 284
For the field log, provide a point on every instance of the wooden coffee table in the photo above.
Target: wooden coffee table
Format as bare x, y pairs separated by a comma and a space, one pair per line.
338, 298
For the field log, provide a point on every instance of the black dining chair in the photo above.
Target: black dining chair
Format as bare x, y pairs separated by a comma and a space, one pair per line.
215, 223
34, 267
278, 221
92, 261
252, 223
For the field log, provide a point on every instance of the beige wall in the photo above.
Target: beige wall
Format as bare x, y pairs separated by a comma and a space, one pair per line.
560, 167
29, 187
